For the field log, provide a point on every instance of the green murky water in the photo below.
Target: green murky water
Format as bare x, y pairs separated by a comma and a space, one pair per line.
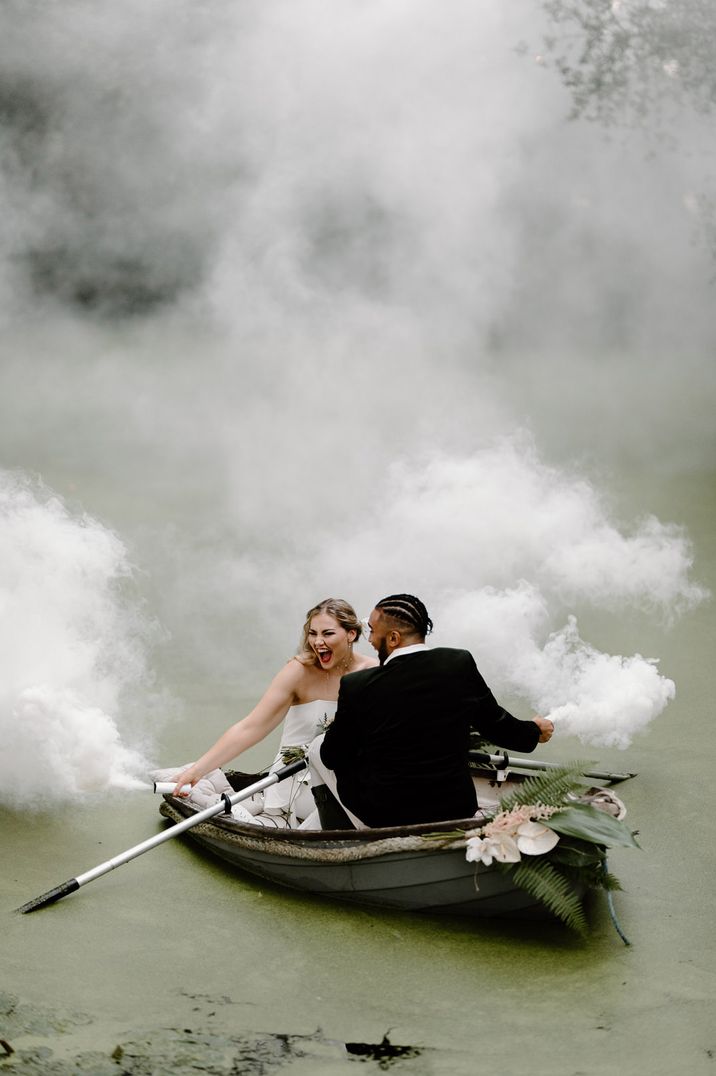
182, 964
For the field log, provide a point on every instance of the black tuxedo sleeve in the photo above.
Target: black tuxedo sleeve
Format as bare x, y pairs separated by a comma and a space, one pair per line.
493, 722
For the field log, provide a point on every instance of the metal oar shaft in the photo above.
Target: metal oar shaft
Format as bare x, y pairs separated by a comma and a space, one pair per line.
224, 806
501, 762
175, 830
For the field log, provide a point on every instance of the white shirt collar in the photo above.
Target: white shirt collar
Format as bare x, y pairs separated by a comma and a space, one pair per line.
406, 650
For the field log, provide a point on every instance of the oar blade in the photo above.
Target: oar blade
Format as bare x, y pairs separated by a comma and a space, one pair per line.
50, 897
225, 804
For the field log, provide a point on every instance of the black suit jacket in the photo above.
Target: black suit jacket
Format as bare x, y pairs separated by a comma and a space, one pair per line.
399, 741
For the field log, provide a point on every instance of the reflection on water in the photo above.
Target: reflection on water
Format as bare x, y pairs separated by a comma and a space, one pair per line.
626, 61
38, 1048
646, 68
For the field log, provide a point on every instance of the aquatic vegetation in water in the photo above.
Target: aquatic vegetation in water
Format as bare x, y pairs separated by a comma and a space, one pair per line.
176, 1050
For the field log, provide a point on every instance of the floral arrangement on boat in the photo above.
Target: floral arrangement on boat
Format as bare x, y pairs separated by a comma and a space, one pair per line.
552, 835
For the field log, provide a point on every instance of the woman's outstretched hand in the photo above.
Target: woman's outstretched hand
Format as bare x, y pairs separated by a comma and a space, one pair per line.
189, 776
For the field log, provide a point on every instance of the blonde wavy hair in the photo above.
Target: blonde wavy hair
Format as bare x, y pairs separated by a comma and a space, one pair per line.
341, 611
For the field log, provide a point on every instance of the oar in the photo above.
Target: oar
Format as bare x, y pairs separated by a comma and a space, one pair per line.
501, 762
224, 806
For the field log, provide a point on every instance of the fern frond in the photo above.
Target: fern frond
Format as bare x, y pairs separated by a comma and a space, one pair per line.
609, 881
541, 880
549, 788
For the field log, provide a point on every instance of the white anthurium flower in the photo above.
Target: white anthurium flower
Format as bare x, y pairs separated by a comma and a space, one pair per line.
534, 839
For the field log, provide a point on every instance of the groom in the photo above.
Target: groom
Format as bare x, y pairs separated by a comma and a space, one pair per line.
397, 750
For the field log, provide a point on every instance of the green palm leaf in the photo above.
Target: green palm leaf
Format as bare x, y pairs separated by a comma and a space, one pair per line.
589, 824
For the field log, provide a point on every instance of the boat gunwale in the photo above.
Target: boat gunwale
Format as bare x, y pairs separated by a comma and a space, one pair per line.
340, 836
239, 780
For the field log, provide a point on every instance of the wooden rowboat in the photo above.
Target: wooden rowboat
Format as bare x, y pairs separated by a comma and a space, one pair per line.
549, 836
416, 868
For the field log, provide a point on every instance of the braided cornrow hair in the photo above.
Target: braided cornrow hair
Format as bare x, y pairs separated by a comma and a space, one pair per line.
407, 609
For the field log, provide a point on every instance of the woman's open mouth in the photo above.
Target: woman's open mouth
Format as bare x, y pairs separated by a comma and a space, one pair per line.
324, 656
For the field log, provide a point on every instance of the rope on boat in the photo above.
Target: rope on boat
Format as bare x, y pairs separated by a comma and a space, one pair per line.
612, 912
337, 852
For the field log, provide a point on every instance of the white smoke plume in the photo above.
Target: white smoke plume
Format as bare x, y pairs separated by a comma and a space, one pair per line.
277, 278
503, 548
71, 648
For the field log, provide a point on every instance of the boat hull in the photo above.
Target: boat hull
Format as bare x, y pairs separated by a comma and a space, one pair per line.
426, 879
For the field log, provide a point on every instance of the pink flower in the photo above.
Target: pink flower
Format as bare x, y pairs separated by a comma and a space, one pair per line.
511, 833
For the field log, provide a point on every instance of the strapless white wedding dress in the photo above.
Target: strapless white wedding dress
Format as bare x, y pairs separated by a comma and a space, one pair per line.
292, 798
286, 804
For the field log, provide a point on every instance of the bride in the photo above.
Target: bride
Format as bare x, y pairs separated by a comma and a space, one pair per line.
303, 695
